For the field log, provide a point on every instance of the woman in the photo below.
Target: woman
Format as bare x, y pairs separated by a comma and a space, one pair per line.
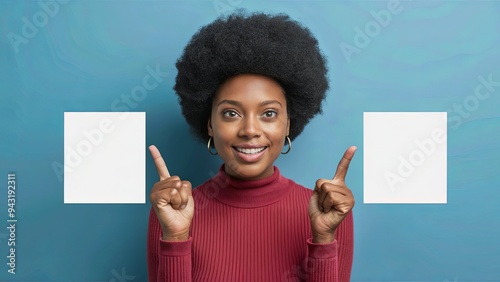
247, 85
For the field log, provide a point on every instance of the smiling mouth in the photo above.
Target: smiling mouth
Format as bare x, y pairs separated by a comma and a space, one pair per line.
250, 151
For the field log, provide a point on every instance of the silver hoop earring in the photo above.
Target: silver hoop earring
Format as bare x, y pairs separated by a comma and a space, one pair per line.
289, 146
208, 147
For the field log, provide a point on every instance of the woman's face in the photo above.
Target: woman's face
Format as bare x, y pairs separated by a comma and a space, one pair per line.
249, 124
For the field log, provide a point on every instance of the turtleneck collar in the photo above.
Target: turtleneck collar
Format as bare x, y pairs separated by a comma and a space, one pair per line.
247, 193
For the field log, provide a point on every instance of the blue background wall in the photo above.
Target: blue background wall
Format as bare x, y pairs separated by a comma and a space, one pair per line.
86, 54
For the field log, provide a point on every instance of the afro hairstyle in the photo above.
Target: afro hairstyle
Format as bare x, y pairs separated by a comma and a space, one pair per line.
271, 45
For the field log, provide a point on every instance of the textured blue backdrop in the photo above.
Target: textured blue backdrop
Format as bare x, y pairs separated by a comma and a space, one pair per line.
383, 56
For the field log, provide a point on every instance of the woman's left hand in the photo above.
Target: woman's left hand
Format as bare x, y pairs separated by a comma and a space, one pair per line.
330, 202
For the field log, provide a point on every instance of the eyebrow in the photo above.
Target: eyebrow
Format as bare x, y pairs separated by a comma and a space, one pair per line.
238, 104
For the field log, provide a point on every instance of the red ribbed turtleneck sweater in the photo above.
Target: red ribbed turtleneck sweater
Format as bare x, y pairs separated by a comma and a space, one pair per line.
250, 231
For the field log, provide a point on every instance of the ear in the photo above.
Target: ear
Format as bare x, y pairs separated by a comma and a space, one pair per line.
288, 127
209, 128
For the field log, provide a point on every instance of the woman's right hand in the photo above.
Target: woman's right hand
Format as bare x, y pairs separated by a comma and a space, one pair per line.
172, 201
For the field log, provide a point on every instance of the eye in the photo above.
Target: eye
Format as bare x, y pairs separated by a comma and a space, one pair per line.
229, 114
270, 114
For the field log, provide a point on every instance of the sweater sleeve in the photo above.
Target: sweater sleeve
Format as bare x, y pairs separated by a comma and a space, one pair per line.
167, 261
332, 261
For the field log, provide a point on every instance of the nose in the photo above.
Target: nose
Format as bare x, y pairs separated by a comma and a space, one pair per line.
250, 127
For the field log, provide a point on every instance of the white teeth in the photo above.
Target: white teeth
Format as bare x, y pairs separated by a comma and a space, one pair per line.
250, 150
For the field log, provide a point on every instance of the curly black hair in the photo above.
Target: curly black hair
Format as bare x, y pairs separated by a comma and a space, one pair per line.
271, 45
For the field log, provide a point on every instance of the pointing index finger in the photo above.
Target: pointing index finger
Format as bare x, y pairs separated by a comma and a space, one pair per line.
161, 167
343, 165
